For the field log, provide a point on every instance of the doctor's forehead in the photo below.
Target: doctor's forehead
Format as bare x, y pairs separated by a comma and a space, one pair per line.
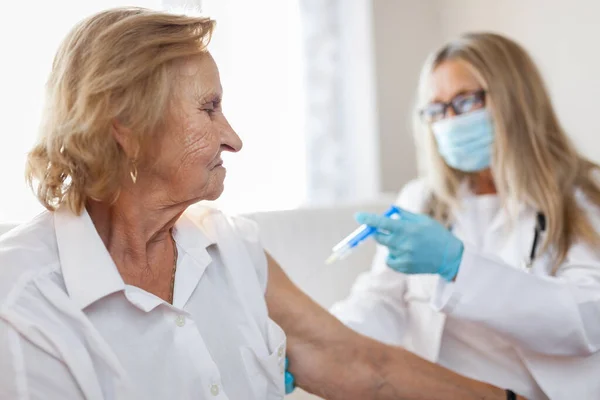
451, 78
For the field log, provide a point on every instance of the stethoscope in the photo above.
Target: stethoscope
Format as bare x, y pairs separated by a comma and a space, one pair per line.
540, 227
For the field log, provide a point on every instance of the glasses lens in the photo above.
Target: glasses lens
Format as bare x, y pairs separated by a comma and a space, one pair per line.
467, 102
433, 112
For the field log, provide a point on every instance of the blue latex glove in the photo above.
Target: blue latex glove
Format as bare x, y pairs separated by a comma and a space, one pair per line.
417, 244
290, 385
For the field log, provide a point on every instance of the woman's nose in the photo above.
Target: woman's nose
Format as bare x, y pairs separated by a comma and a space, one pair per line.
450, 112
230, 139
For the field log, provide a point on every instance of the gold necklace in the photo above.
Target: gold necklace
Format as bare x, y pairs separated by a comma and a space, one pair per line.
175, 256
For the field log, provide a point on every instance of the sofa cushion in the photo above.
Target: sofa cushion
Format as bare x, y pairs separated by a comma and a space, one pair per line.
301, 240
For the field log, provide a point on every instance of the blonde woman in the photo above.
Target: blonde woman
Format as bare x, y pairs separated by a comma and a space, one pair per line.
492, 269
116, 292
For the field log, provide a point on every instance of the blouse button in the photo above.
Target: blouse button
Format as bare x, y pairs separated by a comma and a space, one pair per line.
214, 389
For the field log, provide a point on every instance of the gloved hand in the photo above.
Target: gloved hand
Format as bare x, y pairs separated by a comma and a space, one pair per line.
417, 244
290, 385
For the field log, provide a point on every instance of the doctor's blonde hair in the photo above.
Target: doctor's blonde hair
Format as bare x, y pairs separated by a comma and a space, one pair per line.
113, 66
534, 162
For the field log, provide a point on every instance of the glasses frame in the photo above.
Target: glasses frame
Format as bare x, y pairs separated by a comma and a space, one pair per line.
480, 94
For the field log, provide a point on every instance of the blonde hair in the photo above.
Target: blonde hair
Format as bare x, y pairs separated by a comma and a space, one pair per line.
113, 66
534, 162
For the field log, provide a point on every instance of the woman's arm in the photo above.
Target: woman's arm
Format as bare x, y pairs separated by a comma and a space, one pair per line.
331, 361
376, 307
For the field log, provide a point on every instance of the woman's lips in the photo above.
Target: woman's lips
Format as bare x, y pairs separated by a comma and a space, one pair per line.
218, 164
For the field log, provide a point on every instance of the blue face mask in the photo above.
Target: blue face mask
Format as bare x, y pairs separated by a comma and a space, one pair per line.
465, 141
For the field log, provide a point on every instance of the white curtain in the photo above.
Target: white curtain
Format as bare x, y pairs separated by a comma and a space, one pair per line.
341, 132
326, 140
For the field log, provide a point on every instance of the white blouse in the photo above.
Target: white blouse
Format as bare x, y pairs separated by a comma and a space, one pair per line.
70, 328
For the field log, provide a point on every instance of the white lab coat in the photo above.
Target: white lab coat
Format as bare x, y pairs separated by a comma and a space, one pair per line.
552, 324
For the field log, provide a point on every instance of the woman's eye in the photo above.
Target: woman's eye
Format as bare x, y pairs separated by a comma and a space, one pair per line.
433, 112
212, 107
466, 104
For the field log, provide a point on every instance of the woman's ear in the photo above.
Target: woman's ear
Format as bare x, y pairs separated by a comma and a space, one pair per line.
126, 139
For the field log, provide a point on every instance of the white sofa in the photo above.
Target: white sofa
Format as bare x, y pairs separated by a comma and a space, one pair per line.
301, 240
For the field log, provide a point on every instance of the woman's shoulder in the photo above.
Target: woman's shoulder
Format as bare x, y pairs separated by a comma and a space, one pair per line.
30, 244
590, 208
209, 218
414, 195
27, 251
219, 226
239, 236
588, 202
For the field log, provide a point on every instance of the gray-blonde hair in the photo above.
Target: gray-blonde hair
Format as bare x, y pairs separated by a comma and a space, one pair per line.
534, 162
113, 66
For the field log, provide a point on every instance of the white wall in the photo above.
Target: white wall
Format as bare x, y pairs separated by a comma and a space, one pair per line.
405, 31
562, 36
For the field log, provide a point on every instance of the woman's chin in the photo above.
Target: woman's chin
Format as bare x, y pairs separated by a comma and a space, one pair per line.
215, 192
209, 189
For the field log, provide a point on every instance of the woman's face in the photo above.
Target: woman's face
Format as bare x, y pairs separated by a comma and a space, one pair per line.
453, 82
462, 128
187, 159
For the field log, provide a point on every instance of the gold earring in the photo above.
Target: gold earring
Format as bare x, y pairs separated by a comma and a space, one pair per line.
133, 172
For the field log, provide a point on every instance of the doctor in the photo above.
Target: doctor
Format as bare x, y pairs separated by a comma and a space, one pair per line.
492, 270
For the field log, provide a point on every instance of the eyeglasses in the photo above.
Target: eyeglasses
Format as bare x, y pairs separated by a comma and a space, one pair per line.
460, 104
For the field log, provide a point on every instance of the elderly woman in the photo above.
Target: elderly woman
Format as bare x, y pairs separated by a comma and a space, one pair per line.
116, 293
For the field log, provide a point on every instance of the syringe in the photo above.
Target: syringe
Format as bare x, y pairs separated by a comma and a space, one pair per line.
350, 242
